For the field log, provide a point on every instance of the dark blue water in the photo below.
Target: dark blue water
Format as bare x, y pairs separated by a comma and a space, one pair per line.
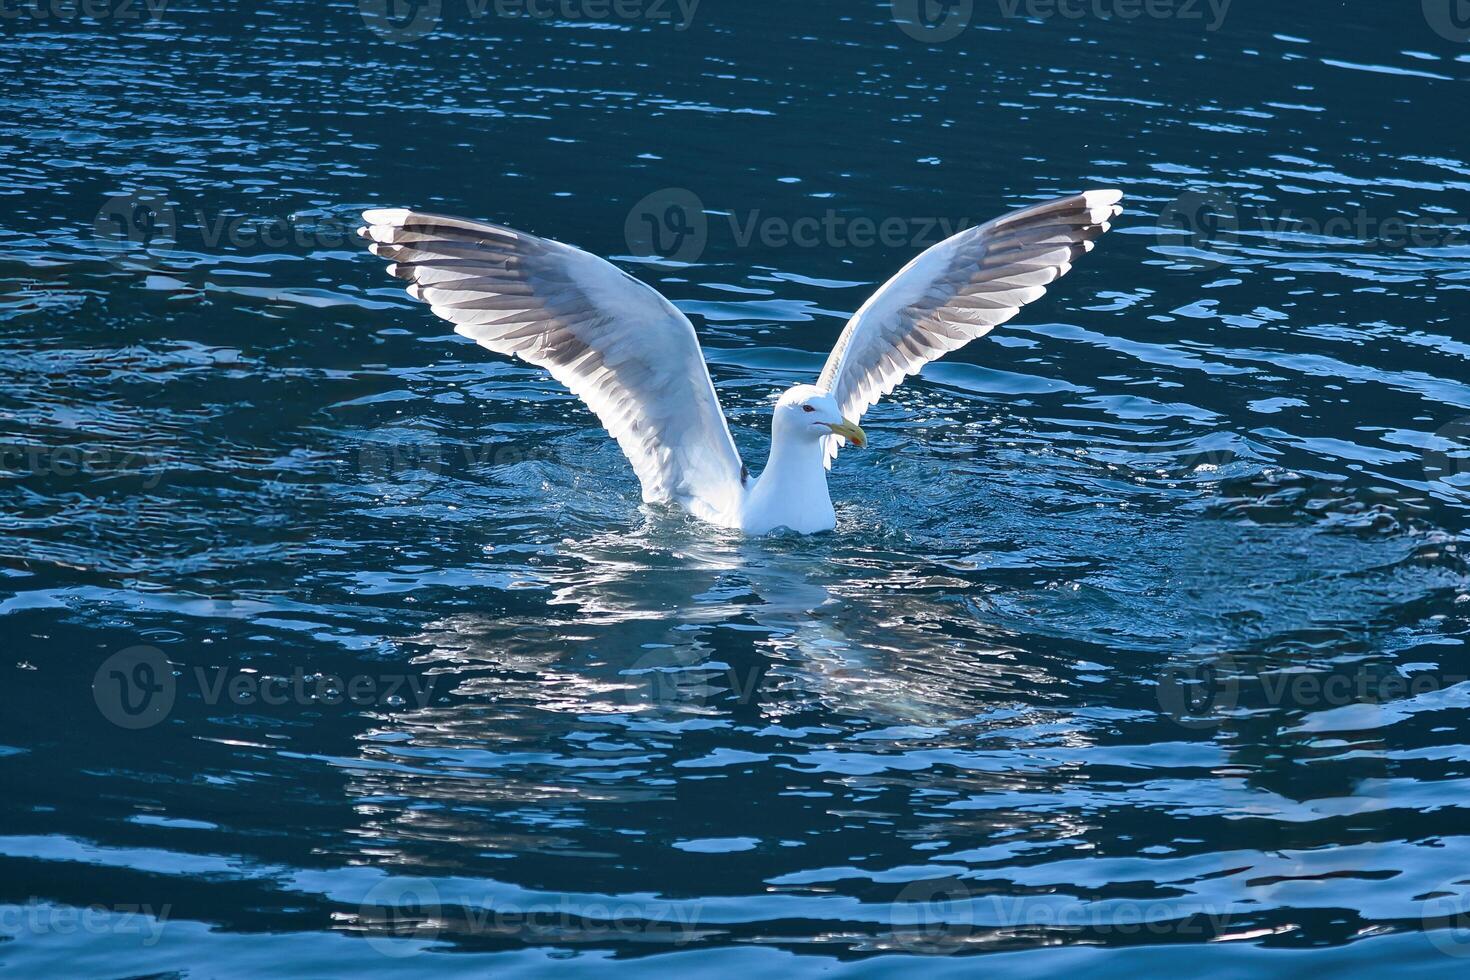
335, 645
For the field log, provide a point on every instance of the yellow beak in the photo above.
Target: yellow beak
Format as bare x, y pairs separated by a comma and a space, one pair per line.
851, 432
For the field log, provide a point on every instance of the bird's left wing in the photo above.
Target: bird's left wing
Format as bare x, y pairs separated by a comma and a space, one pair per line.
615, 342
957, 291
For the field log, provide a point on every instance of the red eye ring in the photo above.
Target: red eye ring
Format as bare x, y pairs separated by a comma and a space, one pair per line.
807, 408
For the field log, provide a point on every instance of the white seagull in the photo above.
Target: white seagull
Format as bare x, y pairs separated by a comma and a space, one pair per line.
634, 359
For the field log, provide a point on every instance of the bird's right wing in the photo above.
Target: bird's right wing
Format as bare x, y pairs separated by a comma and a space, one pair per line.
956, 292
614, 341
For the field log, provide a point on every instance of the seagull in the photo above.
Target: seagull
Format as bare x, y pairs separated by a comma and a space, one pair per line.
635, 361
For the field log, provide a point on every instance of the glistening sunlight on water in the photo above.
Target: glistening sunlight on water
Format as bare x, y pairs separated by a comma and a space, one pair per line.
336, 645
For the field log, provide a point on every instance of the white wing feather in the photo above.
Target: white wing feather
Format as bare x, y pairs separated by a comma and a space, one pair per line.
958, 291
615, 342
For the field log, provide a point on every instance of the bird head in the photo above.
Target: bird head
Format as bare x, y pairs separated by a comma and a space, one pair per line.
809, 412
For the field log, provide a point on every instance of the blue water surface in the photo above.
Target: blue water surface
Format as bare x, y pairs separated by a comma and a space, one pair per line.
335, 645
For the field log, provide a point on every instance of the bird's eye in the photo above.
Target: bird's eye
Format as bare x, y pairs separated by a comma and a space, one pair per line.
807, 408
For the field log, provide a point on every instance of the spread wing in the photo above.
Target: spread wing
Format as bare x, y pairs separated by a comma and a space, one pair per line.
615, 342
957, 291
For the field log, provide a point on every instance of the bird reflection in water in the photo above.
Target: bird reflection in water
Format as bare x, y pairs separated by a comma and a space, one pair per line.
665, 635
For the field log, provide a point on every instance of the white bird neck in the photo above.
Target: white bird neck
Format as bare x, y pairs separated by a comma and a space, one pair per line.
792, 490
